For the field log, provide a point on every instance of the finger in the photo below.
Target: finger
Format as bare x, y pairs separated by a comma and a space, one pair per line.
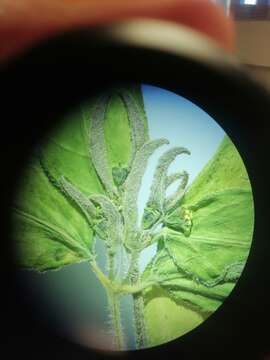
24, 22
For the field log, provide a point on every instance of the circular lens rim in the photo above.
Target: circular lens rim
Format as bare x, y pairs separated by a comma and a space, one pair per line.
211, 79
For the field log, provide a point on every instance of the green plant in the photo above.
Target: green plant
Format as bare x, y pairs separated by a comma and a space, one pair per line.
82, 186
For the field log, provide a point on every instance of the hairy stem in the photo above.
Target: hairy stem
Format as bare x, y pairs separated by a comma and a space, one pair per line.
141, 341
114, 307
105, 281
113, 296
115, 313
138, 304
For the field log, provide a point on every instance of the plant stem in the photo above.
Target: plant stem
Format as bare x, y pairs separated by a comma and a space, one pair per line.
138, 304
113, 297
114, 307
99, 274
141, 340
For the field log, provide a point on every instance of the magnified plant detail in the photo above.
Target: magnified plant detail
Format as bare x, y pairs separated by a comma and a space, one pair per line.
81, 187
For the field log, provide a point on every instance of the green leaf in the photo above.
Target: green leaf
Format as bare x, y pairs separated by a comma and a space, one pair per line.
156, 202
46, 238
132, 186
174, 177
118, 132
138, 136
167, 319
220, 237
203, 250
86, 206
175, 199
52, 216
225, 170
136, 121
119, 175
113, 223
98, 152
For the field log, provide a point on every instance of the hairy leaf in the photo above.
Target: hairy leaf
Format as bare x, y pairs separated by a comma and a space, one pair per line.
174, 200
220, 237
174, 177
114, 224
150, 217
46, 238
119, 175
118, 132
203, 250
137, 127
167, 319
79, 198
158, 188
50, 222
225, 170
98, 152
133, 184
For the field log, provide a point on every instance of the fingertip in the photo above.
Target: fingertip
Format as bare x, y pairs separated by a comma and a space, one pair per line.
203, 16
36, 19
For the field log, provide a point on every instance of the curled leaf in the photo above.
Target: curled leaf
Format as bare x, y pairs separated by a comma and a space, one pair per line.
156, 205
203, 250
159, 185
175, 199
98, 151
174, 177
113, 225
79, 198
137, 128
45, 215
132, 186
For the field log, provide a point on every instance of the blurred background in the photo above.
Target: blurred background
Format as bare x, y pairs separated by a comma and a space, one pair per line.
252, 19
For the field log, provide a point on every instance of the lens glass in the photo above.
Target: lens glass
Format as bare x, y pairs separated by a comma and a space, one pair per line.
133, 220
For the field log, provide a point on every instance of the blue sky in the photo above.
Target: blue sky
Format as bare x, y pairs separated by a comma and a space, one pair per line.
183, 124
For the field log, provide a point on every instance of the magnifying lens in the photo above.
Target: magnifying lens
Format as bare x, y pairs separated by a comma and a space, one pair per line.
137, 186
